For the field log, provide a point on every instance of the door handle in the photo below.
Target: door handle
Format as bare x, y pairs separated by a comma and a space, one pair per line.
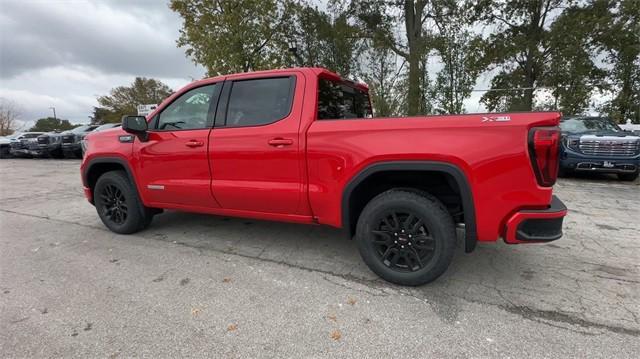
280, 142
194, 143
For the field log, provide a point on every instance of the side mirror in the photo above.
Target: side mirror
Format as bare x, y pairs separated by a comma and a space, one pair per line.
135, 125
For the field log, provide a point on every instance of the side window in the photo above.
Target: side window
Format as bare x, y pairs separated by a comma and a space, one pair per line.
260, 101
340, 101
189, 111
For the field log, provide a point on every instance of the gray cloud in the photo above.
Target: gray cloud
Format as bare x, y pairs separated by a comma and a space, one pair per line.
64, 53
115, 37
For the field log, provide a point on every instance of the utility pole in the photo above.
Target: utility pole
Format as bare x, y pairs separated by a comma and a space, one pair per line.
54, 113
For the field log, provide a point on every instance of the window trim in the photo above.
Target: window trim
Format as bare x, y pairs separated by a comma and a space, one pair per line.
211, 112
223, 107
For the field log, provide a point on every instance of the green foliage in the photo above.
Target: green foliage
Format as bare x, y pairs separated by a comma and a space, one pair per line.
49, 124
324, 40
618, 35
229, 36
380, 20
519, 48
123, 100
384, 80
425, 56
571, 74
459, 50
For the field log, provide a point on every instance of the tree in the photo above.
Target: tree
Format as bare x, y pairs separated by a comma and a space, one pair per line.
571, 73
123, 100
617, 34
459, 50
519, 49
328, 40
49, 124
9, 113
379, 18
383, 75
229, 36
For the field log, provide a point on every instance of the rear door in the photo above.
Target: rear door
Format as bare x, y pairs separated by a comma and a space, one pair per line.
255, 154
173, 163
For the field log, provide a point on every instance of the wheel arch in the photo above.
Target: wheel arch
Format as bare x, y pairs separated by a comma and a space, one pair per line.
96, 167
444, 168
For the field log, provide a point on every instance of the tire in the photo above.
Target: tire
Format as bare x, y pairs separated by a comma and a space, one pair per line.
56, 153
5, 152
118, 205
68, 154
628, 176
421, 253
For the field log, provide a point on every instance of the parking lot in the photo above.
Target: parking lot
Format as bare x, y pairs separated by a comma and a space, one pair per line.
195, 285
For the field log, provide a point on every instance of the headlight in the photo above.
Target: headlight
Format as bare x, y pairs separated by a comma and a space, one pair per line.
572, 143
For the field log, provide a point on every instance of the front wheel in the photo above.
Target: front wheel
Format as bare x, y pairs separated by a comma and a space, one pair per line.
5, 152
405, 237
118, 205
628, 176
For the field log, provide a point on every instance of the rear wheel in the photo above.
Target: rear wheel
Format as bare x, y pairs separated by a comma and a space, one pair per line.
118, 204
628, 176
405, 237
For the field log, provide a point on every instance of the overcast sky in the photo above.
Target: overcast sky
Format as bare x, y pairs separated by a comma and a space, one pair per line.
64, 53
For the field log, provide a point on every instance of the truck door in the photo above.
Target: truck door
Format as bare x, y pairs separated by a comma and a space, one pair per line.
173, 164
254, 148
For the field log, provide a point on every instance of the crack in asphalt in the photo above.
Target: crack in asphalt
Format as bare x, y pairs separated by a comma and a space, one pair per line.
556, 316
547, 317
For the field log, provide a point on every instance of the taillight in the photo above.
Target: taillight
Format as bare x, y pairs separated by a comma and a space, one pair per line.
544, 150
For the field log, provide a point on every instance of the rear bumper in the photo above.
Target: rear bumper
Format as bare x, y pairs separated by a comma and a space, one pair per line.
535, 226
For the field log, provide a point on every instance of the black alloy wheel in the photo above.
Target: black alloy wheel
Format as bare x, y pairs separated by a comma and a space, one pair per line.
114, 205
406, 237
118, 204
402, 241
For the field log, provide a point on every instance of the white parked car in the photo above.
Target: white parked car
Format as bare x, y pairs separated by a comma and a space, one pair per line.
6, 142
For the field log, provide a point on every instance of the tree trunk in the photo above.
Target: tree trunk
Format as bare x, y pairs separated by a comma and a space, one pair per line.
414, 94
413, 25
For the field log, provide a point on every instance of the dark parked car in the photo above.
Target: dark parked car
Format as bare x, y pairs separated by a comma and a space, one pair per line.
597, 144
48, 145
71, 140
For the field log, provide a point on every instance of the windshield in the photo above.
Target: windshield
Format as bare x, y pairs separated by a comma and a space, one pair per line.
106, 126
577, 125
83, 128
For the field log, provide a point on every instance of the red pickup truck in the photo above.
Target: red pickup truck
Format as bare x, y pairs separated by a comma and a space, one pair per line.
300, 145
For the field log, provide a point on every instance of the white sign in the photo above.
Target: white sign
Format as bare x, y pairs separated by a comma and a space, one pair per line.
144, 110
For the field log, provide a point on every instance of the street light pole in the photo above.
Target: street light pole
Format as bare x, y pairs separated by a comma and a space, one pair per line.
54, 113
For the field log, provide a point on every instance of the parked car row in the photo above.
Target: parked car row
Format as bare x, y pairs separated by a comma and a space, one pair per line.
68, 144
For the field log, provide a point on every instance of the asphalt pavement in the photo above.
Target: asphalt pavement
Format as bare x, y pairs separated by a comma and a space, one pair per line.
204, 286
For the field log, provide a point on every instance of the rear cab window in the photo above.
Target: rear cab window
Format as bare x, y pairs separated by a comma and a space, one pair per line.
338, 100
